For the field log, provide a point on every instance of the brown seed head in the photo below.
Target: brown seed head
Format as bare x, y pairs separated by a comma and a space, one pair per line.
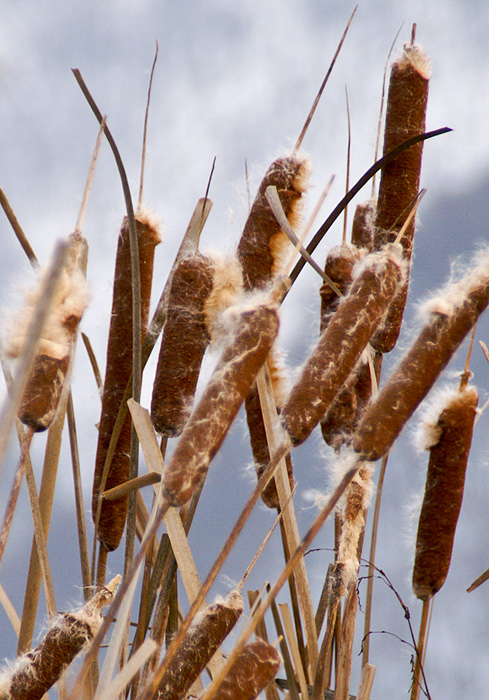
443, 491
255, 330
254, 668
263, 244
118, 372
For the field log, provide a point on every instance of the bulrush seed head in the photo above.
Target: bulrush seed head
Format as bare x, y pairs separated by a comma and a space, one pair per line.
444, 490
399, 185
255, 330
202, 640
450, 316
343, 341
254, 668
45, 384
118, 372
184, 342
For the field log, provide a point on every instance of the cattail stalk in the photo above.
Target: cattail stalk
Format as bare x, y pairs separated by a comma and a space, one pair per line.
254, 668
34, 673
198, 646
399, 185
452, 435
451, 316
185, 339
253, 336
110, 516
342, 342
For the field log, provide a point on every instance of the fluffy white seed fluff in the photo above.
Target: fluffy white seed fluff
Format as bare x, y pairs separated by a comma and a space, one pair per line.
453, 294
227, 289
70, 301
413, 54
428, 431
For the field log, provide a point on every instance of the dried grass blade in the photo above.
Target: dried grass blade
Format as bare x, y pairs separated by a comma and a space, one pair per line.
46, 496
79, 504
346, 645
40, 538
323, 84
14, 491
288, 666
129, 670
132, 485
148, 537
183, 555
294, 649
278, 211
288, 515
124, 601
259, 551
10, 611
93, 362
21, 237
366, 682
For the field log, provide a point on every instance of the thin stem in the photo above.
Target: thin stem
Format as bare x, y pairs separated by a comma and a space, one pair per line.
17, 228
145, 128
373, 548
421, 648
323, 85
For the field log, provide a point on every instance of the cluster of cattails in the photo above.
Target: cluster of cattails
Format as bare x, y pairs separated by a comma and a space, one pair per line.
233, 303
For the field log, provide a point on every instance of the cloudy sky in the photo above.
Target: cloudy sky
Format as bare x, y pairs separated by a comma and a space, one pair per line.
235, 81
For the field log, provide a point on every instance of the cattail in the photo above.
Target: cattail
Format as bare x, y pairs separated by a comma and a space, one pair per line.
337, 424
345, 412
339, 268
202, 640
117, 374
253, 669
450, 437
451, 315
263, 244
45, 383
184, 342
35, 672
338, 421
363, 225
343, 341
254, 333
352, 511
399, 185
